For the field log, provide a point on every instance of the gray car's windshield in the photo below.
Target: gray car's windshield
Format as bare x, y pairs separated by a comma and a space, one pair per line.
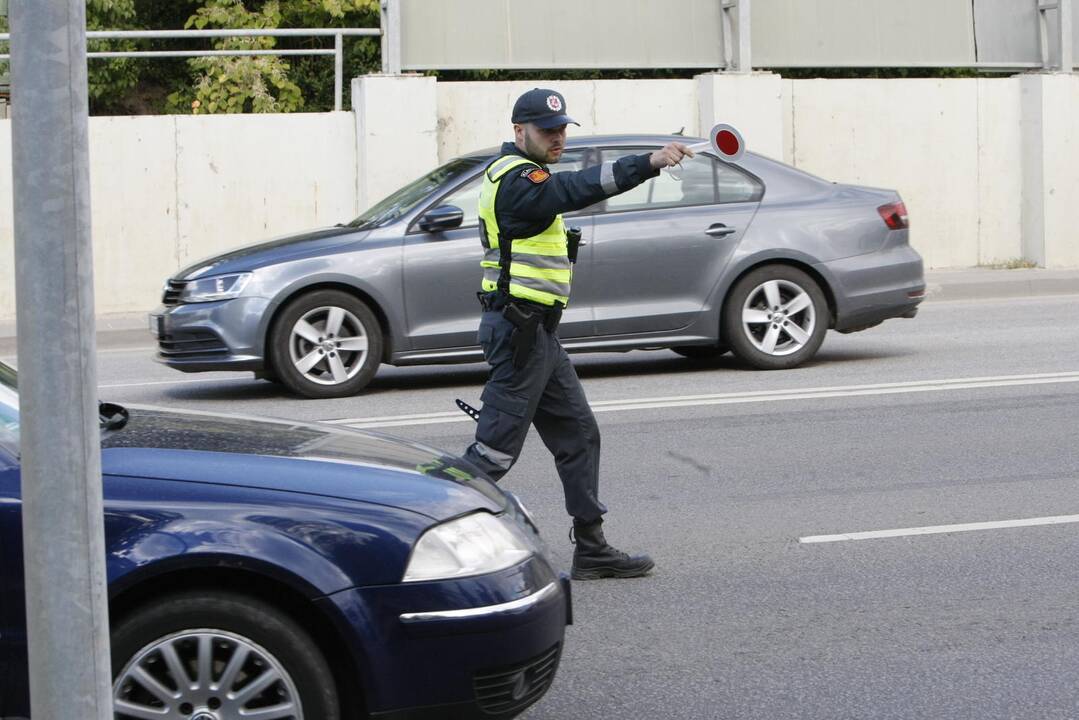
9, 409
400, 202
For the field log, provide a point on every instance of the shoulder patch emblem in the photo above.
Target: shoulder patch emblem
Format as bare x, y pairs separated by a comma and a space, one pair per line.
536, 175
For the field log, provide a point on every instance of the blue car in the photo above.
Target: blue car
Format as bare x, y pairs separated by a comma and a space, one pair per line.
279, 570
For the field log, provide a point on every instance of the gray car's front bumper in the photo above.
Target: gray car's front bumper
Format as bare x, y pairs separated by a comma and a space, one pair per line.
223, 335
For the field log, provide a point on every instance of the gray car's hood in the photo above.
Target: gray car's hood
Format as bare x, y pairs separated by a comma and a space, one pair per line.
295, 457
288, 247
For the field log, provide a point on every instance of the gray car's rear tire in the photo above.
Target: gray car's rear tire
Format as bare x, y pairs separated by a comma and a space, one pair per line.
775, 317
325, 344
221, 655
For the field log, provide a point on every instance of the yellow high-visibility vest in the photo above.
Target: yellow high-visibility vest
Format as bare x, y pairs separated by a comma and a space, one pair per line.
539, 266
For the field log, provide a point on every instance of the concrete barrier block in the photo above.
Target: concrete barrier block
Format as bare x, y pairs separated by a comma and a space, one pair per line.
919, 137
396, 131
242, 179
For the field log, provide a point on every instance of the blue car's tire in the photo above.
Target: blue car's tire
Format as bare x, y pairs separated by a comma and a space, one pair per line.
220, 655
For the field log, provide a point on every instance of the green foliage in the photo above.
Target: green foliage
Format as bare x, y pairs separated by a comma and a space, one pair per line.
107, 79
269, 83
238, 84
110, 78
1015, 263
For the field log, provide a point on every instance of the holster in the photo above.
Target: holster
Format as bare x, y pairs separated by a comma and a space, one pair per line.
523, 339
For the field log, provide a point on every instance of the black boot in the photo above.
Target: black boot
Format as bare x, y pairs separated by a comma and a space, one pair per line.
594, 558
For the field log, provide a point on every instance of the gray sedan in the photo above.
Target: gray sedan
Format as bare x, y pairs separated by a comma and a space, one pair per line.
756, 258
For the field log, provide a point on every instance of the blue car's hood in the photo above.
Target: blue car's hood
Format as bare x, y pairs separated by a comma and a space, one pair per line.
288, 247
295, 457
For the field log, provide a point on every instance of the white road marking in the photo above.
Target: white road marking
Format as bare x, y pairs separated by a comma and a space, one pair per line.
937, 529
746, 397
173, 382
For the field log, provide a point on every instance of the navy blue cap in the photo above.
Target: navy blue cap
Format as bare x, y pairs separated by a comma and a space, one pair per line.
543, 108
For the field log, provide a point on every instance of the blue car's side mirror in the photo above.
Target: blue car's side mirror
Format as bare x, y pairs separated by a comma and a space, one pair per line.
443, 217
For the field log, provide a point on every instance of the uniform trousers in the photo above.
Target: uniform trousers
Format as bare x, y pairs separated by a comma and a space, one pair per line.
547, 393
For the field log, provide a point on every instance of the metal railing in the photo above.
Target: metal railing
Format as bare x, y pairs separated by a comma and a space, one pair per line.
338, 34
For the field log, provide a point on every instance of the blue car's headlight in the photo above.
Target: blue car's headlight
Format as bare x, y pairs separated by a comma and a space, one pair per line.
218, 287
470, 545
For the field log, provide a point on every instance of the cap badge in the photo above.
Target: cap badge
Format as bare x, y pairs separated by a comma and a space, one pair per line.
554, 103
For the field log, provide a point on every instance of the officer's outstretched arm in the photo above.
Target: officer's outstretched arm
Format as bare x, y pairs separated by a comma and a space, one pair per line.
534, 194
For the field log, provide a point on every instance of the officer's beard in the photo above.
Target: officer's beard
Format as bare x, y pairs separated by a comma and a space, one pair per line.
535, 151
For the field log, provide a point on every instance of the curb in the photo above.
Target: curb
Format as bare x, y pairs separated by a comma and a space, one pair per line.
983, 284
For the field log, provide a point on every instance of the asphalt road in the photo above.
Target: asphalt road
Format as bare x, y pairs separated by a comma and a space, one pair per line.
966, 414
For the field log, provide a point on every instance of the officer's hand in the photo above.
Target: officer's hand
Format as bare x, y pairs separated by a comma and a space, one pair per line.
670, 154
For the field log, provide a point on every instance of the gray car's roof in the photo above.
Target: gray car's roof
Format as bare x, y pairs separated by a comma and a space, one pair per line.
590, 140
782, 179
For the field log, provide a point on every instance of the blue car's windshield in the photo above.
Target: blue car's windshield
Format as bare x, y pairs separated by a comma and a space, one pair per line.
400, 202
9, 409
110, 417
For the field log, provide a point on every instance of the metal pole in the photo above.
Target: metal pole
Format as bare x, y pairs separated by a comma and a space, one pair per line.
64, 555
1064, 19
744, 59
384, 39
736, 35
391, 36
338, 69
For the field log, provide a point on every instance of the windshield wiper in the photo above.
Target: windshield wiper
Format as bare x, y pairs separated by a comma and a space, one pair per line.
111, 416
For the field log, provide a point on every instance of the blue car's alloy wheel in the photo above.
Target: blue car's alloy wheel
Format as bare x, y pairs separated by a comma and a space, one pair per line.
217, 656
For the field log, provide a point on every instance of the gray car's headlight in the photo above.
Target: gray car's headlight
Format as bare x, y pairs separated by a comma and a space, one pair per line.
470, 545
218, 287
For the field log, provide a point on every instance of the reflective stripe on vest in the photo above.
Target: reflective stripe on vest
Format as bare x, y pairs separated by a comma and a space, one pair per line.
540, 269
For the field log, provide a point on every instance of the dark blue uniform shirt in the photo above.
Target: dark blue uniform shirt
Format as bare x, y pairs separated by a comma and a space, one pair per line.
525, 207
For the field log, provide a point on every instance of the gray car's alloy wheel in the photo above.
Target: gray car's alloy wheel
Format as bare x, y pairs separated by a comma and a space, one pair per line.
218, 656
325, 344
775, 317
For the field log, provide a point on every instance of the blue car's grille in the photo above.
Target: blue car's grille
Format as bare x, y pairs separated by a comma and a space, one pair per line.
190, 343
172, 292
509, 689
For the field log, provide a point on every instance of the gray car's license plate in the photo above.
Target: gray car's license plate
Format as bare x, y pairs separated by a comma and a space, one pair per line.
157, 325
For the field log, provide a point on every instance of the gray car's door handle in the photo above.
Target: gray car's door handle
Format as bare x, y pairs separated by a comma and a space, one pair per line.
720, 230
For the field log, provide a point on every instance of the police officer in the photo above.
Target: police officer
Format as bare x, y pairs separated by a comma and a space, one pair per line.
527, 270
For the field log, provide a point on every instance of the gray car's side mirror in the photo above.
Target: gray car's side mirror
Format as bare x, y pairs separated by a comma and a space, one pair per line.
443, 217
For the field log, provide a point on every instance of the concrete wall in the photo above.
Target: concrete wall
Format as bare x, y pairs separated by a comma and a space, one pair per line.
473, 116
985, 165
167, 191
920, 137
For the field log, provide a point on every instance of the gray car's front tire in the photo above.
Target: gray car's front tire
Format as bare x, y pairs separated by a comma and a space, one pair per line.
325, 344
775, 317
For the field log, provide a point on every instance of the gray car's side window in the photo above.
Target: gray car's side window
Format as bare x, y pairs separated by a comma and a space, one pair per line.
702, 180
734, 186
467, 197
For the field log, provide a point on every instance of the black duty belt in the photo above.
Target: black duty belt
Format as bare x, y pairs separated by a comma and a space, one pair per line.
522, 311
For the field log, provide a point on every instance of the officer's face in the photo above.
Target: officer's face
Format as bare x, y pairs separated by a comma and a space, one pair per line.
541, 144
